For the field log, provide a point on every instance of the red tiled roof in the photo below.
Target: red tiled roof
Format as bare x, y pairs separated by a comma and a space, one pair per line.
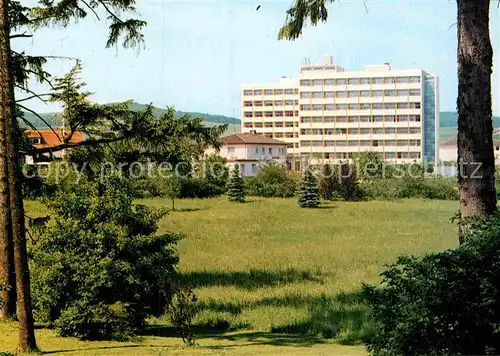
52, 139
248, 138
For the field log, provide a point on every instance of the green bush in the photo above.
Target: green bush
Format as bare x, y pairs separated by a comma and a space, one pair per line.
442, 304
408, 187
272, 181
98, 268
309, 190
346, 183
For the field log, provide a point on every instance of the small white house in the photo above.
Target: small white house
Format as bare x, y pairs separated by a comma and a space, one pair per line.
249, 151
448, 151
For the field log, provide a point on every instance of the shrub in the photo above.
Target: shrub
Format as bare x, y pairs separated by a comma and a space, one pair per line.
327, 182
272, 181
442, 304
308, 196
346, 182
216, 170
183, 308
408, 187
98, 269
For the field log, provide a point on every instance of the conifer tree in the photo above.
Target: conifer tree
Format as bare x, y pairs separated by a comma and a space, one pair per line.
308, 196
235, 186
327, 182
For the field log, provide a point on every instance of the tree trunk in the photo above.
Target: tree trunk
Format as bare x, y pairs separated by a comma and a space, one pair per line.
475, 128
24, 313
7, 276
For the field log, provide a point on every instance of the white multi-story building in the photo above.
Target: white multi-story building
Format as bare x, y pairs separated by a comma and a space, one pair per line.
340, 113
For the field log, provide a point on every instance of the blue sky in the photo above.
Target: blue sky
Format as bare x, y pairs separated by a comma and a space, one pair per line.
198, 53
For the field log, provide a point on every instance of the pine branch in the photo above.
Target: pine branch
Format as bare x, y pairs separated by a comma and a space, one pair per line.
38, 116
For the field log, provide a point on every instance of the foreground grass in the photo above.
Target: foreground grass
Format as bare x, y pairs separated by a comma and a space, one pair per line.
283, 277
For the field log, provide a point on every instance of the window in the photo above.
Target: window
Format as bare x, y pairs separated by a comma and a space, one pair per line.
318, 82
257, 150
329, 94
254, 168
389, 93
329, 119
257, 92
378, 118
365, 93
341, 94
270, 150
258, 114
268, 92
278, 135
402, 143
341, 107
288, 102
278, 124
364, 106
329, 107
257, 103
268, 103
415, 92
377, 106
377, 93
278, 103
318, 94
268, 114
389, 80
248, 114
353, 131
353, 118
414, 130
364, 119
258, 125
305, 94
262, 150
390, 106
317, 107
317, 119
365, 80
403, 80
402, 92
377, 80
230, 150
353, 94
402, 130
414, 105
353, 81
414, 79
364, 131
390, 131
247, 92
305, 82
248, 125
289, 91
242, 169
329, 81
278, 91
353, 106
402, 105
278, 114
305, 107
288, 113
305, 120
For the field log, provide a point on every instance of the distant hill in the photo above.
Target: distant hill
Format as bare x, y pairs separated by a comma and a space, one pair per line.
449, 119
448, 125
54, 119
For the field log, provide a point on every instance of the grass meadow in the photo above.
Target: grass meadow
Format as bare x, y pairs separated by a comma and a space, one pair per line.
272, 278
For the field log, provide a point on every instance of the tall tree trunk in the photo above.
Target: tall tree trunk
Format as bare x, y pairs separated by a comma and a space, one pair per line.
7, 276
475, 128
24, 312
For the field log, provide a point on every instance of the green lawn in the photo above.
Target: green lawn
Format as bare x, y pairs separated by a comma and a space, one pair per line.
267, 268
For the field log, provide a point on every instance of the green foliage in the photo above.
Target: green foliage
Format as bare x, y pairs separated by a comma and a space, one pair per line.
442, 304
408, 187
182, 309
346, 182
215, 170
308, 196
327, 182
236, 186
172, 187
272, 181
98, 269
371, 165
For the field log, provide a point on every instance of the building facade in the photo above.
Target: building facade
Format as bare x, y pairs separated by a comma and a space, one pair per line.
340, 113
250, 151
